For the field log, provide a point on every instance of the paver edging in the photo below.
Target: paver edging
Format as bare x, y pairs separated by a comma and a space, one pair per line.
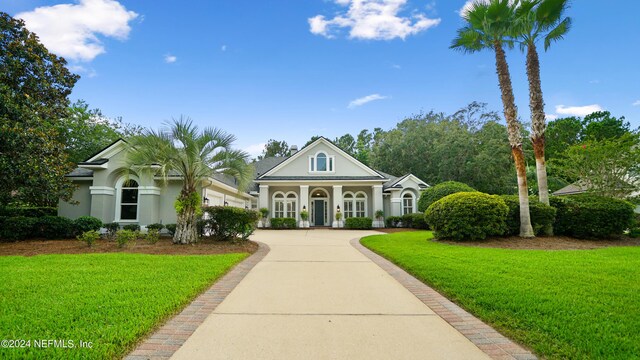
486, 338
165, 341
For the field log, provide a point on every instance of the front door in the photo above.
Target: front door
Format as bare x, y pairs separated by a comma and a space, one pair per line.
318, 213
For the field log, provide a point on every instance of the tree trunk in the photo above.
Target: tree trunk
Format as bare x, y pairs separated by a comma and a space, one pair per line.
515, 137
186, 226
538, 125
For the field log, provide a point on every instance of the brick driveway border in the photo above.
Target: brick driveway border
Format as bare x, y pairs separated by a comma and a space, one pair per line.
163, 343
482, 335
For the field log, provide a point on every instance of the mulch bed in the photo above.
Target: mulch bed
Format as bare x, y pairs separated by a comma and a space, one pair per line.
162, 247
546, 243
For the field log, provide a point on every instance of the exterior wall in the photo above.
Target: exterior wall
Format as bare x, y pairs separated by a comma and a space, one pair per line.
83, 196
218, 196
168, 196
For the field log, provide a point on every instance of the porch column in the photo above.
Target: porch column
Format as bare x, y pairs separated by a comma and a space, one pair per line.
376, 191
304, 204
337, 201
263, 202
396, 203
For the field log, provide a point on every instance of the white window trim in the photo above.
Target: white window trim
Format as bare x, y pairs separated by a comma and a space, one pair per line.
413, 202
118, 189
285, 201
354, 200
313, 163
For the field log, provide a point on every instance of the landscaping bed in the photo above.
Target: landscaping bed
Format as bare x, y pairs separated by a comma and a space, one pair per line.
577, 304
163, 247
545, 243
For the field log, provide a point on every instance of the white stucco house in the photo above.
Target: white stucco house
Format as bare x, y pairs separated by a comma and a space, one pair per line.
321, 178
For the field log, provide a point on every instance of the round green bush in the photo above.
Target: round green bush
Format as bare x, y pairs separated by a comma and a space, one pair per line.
542, 215
86, 223
437, 192
468, 216
591, 216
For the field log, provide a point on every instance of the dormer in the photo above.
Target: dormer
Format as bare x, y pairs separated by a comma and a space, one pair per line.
322, 163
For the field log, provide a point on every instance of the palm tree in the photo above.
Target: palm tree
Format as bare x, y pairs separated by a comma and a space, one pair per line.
488, 27
534, 20
181, 149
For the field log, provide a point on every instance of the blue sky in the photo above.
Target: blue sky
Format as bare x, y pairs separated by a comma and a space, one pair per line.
289, 69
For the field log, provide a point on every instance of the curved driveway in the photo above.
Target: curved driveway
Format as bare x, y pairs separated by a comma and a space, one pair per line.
314, 296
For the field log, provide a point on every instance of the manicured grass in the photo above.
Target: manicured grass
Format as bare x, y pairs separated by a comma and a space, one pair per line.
111, 300
573, 304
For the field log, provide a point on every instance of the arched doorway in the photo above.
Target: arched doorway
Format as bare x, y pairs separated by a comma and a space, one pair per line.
319, 215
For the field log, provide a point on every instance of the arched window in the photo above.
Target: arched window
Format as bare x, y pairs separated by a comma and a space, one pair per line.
408, 201
127, 200
285, 205
321, 162
355, 205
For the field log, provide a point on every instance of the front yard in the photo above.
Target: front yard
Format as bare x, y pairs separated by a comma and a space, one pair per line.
108, 300
562, 304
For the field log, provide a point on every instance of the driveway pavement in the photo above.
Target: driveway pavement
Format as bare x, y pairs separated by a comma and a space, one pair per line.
314, 296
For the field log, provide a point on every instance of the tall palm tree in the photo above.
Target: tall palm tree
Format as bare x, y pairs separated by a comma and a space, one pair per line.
535, 20
488, 27
181, 149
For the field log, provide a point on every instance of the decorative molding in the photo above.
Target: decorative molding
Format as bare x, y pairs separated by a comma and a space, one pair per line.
102, 190
396, 200
149, 190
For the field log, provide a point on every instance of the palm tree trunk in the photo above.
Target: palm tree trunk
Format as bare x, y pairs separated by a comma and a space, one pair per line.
186, 225
515, 137
538, 126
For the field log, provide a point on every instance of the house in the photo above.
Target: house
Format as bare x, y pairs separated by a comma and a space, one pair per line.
321, 179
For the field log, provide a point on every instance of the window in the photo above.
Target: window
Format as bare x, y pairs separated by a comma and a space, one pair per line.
355, 205
285, 205
407, 203
127, 200
321, 162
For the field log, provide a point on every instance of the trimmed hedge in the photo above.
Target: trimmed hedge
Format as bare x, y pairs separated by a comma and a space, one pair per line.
228, 222
362, 223
131, 227
393, 221
54, 227
86, 223
415, 221
171, 228
591, 216
283, 223
542, 216
437, 192
28, 211
156, 226
18, 228
468, 216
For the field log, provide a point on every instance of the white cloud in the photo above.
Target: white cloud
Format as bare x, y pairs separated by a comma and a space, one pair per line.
366, 99
372, 20
71, 30
636, 103
577, 110
550, 117
255, 149
170, 59
223, 48
81, 70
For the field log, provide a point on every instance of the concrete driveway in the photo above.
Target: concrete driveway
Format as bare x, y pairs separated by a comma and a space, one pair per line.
314, 296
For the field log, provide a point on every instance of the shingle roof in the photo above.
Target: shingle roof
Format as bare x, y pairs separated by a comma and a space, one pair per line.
80, 172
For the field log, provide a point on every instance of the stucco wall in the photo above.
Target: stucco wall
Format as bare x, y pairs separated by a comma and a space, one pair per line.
83, 196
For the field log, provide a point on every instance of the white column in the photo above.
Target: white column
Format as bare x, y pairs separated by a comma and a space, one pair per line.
304, 204
396, 203
337, 201
263, 202
376, 191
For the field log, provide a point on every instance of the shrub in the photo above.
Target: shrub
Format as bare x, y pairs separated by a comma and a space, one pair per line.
379, 214
111, 228
28, 211
54, 227
338, 216
152, 236
283, 223
86, 223
156, 226
542, 216
264, 212
171, 228
416, 221
393, 221
363, 223
468, 215
228, 222
304, 215
131, 227
125, 236
89, 237
437, 192
591, 216
18, 228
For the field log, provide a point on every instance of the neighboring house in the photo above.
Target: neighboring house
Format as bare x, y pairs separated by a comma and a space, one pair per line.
580, 188
320, 178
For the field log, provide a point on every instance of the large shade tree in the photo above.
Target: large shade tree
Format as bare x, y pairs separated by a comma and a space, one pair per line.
488, 26
182, 149
537, 20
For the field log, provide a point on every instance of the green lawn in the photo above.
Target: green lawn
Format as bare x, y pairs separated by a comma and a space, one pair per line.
111, 300
562, 304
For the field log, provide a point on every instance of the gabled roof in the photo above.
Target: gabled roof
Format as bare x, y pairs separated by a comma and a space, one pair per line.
104, 154
397, 183
305, 149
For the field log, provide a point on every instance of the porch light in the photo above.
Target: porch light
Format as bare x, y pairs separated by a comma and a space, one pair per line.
226, 203
338, 208
206, 200
304, 207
